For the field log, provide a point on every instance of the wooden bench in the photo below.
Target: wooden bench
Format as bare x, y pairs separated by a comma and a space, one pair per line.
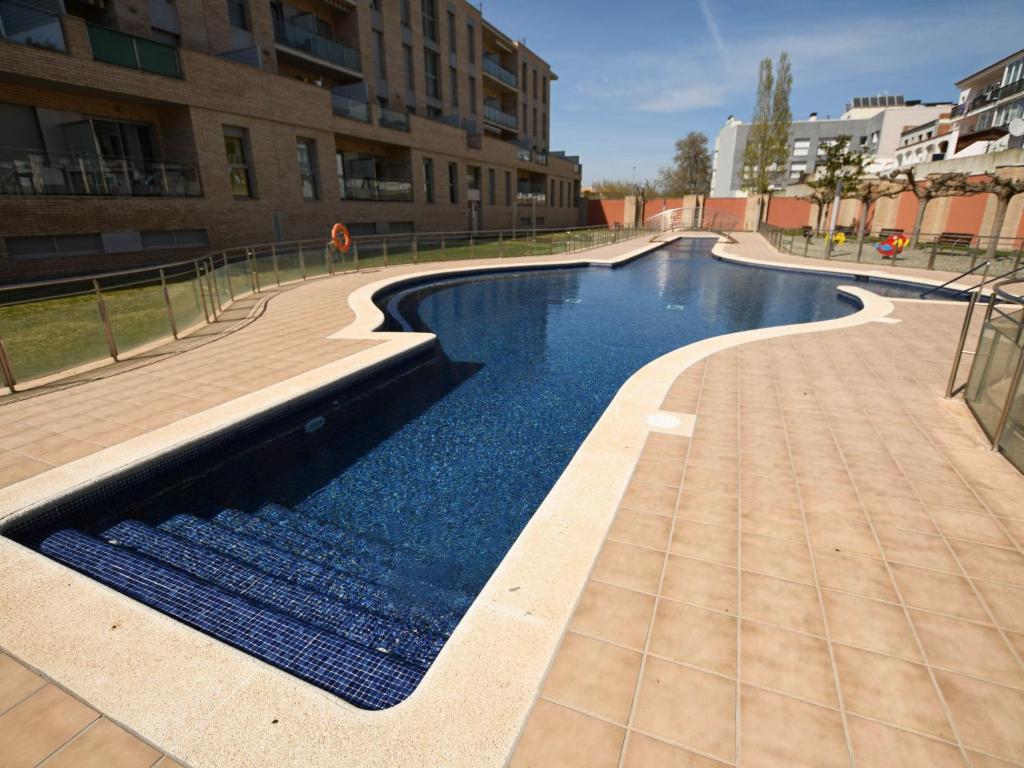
960, 239
884, 234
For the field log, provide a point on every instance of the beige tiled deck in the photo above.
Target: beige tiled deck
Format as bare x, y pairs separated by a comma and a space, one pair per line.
829, 573
41, 724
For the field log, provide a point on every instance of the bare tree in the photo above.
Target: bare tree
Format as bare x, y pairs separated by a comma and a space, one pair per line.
867, 192
611, 188
935, 185
1005, 189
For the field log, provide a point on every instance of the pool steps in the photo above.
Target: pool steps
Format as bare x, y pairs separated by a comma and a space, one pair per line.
367, 678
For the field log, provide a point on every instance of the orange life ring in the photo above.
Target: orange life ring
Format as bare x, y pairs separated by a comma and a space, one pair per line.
344, 242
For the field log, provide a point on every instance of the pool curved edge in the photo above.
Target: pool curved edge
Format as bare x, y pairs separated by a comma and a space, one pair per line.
473, 701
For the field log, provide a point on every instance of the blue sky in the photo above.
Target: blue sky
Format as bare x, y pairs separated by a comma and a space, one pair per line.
633, 77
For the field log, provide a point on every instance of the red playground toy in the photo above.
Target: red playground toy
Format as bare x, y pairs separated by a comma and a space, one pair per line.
892, 246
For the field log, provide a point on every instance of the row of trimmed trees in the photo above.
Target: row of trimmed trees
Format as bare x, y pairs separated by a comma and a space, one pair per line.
842, 164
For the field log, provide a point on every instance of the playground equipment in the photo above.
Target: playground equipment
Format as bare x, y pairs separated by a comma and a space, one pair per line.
892, 246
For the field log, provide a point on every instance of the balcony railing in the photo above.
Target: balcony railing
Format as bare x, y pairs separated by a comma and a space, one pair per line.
1011, 89
532, 156
494, 115
493, 68
390, 118
308, 41
30, 25
344, 106
113, 47
384, 190
531, 196
38, 172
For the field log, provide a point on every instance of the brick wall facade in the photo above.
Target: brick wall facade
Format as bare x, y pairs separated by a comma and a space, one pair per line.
187, 117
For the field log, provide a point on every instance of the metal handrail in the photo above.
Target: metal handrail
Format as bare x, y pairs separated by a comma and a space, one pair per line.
986, 264
252, 263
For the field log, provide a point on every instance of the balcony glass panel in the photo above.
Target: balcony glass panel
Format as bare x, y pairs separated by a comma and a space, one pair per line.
115, 47
301, 39
494, 115
391, 190
346, 107
389, 118
493, 68
37, 172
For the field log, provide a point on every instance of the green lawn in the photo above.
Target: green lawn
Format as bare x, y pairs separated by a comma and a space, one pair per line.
44, 337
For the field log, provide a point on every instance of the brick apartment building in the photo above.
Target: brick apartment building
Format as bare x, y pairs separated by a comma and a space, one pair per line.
138, 132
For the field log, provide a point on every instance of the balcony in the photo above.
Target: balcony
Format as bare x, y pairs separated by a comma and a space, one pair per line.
526, 195
353, 109
31, 25
389, 118
532, 156
38, 172
113, 47
377, 190
495, 116
1011, 89
493, 68
319, 48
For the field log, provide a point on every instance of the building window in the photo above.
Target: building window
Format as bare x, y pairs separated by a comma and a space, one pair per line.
1013, 72
524, 122
508, 188
453, 182
796, 170
378, 53
432, 71
236, 146
452, 34
410, 74
471, 43
544, 89
454, 86
544, 124
492, 194
430, 20
801, 147
535, 83
551, 194
238, 14
403, 12
472, 95
428, 179
534, 121
307, 168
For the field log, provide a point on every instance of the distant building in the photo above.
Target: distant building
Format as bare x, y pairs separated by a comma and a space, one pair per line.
875, 125
989, 100
926, 143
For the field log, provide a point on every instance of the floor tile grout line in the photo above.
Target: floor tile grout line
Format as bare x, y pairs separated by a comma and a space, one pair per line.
906, 612
88, 727
27, 696
657, 597
956, 558
821, 600
738, 479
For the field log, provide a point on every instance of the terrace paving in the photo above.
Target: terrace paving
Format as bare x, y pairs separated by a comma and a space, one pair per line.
830, 571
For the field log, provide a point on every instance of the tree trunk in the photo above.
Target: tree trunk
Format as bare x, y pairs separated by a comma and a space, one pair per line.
1002, 204
863, 225
922, 206
817, 223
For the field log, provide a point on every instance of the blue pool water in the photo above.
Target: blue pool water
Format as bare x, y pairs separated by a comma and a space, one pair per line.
345, 542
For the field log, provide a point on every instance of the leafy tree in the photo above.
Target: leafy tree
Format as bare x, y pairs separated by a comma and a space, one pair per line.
691, 172
840, 164
767, 149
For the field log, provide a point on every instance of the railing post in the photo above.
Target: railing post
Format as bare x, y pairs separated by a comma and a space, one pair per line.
302, 262
105, 319
501, 245
202, 293
254, 278
167, 301
415, 251
951, 384
471, 246
6, 370
355, 255
273, 260
211, 278
384, 250
444, 257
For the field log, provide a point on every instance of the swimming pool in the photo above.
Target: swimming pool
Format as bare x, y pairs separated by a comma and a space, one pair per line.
344, 543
